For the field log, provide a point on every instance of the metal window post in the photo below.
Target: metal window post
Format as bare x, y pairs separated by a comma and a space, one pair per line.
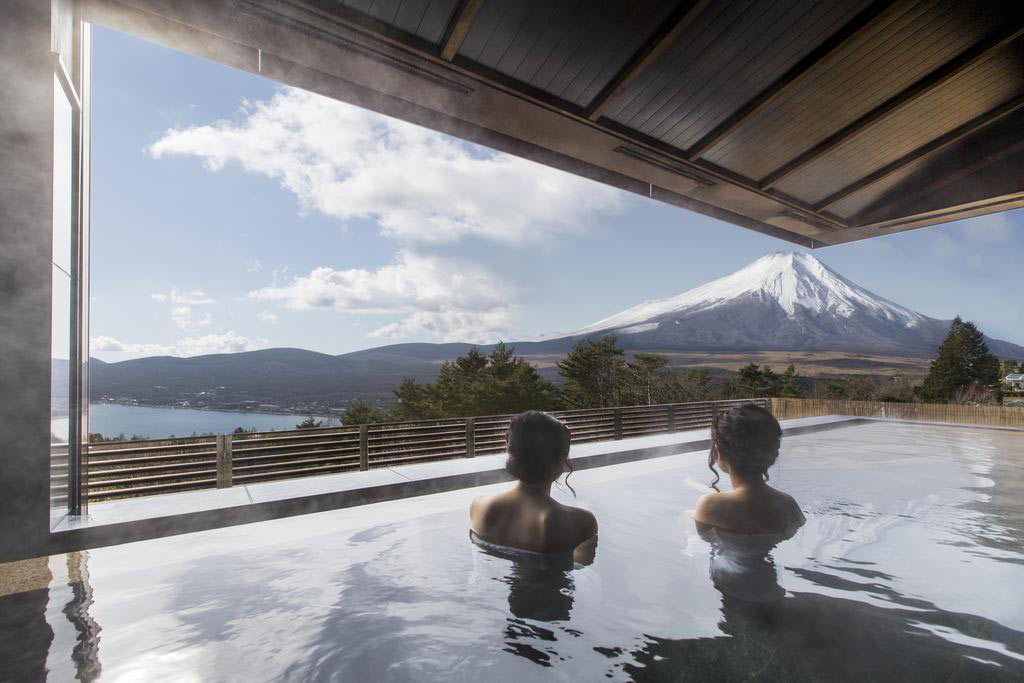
224, 461
364, 447
617, 415
470, 437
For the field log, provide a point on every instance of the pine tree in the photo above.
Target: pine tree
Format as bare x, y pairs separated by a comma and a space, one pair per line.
593, 373
360, 413
963, 359
309, 423
645, 378
751, 381
476, 384
789, 387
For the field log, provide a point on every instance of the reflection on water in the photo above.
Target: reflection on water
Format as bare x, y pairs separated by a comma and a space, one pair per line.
806, 636
540, 589
31, 616
908, 568
85, 653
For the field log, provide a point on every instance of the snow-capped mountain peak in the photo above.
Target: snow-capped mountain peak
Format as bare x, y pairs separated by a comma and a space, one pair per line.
793, 280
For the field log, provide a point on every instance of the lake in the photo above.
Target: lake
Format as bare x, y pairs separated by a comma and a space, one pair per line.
111, 419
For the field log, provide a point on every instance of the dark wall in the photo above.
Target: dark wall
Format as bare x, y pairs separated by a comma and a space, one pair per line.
26, 115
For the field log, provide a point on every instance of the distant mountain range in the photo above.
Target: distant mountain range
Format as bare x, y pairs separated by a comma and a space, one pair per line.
781, 302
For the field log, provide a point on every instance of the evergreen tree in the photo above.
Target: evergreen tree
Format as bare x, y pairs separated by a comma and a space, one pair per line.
645, 379
511, 385
414, 401
309, 423
361, 413
835, 389
772, 382
789, 387
476, 384
963, 359
593, 373
752, 382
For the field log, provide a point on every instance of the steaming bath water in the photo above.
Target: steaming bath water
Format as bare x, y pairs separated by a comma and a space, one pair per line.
909, 568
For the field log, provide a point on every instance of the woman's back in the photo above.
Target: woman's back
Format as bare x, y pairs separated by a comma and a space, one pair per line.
745, 442
527, 517
755, 510
538, 523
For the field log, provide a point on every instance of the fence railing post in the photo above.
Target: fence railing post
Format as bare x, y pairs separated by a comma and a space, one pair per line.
364, 447
671, 417
223, 461
617, 416
470, 437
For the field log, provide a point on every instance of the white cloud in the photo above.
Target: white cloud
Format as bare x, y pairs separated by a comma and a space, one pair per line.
420, 186
111, 345
182, 312
439, 297
268, 317
193, 298
253, 265
229, 342
185, 319
479, 327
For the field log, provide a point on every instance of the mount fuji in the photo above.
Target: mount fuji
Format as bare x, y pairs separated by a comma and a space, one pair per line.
781, 302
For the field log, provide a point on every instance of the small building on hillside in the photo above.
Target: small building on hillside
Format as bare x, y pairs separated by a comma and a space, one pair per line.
1015, 381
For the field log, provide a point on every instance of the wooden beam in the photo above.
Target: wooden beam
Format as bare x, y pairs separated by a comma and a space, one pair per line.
922, 86
458, 28
934, 147
666, 34
794, 75
942, 181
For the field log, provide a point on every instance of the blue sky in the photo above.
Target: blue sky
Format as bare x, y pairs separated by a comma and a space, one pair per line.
231, 213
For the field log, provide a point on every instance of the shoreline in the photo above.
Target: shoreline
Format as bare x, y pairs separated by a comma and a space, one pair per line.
214, 410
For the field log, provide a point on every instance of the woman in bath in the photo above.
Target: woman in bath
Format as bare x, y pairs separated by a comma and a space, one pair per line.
744, 525
526, 517
745, 443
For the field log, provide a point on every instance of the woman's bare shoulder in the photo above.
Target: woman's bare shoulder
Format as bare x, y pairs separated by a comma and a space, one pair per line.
710, 507
571, 522
481, 506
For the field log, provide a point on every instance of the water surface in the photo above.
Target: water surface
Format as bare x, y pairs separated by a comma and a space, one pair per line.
112, 419
909, 568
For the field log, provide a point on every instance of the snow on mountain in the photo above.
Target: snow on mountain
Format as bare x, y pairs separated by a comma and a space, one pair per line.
790, 279
782, 301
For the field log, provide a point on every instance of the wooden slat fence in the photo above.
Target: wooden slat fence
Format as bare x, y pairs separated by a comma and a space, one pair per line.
1000, 416
141, 468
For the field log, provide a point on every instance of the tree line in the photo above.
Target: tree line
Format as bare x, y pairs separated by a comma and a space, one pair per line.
595, 374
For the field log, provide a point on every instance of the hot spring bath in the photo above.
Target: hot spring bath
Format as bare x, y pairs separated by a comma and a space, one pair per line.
909, 568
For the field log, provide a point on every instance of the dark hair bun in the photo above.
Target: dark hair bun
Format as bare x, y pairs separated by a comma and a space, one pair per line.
749, 437
538, 444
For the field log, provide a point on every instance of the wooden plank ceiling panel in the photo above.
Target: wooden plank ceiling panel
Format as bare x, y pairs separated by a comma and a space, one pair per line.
569, 49
979, 151
966, 96
907, 42
426, 19
728, 56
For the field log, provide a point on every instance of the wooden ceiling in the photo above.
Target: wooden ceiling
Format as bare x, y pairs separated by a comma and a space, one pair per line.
816, 122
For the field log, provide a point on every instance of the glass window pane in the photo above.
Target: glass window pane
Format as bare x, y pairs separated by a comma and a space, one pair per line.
62, 177
60, 404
